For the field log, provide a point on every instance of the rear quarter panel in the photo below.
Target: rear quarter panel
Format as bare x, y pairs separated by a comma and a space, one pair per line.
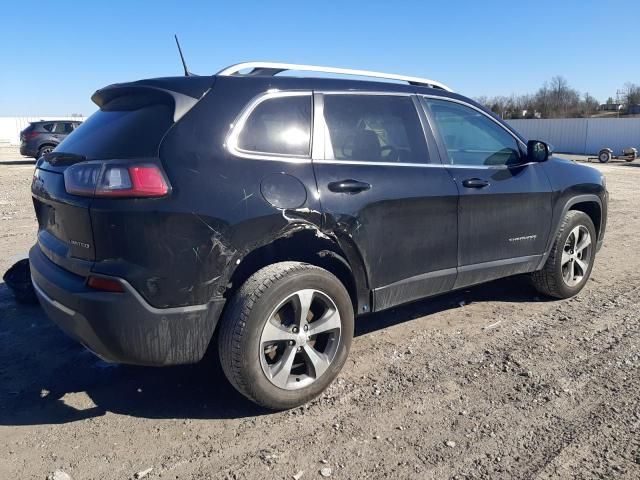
180, 250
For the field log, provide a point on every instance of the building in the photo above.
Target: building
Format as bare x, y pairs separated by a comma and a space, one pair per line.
611, 107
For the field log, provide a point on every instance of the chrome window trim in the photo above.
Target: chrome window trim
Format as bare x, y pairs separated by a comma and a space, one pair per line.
381, 164
231, 142
421, 165
479, 110
366, 92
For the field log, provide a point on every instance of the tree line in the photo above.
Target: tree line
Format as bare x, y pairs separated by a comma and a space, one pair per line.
555, 99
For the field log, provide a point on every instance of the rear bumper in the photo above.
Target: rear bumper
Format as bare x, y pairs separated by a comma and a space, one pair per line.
27, 151
122, 327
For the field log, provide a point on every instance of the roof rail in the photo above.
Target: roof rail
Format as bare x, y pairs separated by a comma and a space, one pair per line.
273, 68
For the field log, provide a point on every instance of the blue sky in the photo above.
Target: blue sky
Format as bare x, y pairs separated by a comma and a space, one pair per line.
55, 55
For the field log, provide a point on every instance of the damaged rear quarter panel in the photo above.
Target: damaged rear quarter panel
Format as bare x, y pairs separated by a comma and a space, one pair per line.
181, 250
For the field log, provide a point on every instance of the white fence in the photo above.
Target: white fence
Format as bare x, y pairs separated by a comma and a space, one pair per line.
582, 135
568, 135
10, 127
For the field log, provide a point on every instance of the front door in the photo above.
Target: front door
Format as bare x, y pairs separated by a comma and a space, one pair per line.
382, 192
504, 215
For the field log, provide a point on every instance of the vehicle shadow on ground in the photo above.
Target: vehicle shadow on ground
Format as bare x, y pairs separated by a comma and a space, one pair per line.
18, 162
47, 378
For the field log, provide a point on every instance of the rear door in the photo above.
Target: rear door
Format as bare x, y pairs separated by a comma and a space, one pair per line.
385, 191
60, 130
505, 202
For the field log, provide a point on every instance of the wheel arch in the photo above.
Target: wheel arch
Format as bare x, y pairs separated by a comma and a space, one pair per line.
590, 204
592, 208
311, 246
47, 144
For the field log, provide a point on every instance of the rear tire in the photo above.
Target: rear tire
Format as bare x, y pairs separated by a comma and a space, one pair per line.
267, 345
44, 150
571, 259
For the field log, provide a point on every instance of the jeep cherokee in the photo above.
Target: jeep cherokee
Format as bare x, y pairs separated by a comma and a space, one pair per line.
270, 210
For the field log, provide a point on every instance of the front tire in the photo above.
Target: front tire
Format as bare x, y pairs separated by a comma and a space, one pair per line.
571, 259
286, 334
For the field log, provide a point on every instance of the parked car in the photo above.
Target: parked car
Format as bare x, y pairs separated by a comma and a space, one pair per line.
272, 210
42, 137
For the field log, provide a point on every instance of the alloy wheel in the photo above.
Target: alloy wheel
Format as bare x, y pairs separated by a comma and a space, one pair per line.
576, 255
300, 339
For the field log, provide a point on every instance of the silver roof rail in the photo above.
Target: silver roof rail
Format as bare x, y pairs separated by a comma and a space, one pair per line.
273, 68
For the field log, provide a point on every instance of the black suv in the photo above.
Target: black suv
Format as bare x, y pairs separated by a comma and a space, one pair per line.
261, 213
42, 137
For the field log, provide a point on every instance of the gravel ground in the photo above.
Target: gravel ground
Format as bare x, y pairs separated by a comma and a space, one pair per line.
490, 382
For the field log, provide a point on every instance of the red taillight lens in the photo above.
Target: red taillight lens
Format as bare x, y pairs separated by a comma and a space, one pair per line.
104, 179
105, 284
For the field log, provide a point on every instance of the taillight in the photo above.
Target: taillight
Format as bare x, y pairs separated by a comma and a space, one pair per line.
105, 179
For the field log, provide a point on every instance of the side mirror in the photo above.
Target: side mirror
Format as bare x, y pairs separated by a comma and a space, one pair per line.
538, 151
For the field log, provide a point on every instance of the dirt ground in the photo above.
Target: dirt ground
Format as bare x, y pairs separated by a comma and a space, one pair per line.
490, 382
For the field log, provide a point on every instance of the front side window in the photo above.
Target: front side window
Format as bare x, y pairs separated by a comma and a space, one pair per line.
472, 138
381, 128
280, 126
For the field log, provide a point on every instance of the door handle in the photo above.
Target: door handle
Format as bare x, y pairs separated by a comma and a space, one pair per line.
475, 183
349, 186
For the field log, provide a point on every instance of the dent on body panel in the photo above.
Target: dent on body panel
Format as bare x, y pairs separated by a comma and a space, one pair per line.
172, 259
197, 252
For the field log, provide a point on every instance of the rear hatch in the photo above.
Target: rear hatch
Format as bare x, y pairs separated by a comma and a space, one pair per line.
24, 133
127, 129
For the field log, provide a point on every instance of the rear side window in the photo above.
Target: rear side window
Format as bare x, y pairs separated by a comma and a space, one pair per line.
280, 126
377, 128
48, 127
121, 131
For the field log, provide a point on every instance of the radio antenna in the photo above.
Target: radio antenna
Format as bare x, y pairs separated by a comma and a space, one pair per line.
187, 73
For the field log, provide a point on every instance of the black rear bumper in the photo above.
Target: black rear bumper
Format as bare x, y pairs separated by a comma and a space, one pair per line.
122, 327
27, 151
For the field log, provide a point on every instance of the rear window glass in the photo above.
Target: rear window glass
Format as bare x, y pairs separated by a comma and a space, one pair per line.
132, 133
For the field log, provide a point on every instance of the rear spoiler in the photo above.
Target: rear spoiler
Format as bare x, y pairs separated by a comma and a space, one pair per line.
184, 92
